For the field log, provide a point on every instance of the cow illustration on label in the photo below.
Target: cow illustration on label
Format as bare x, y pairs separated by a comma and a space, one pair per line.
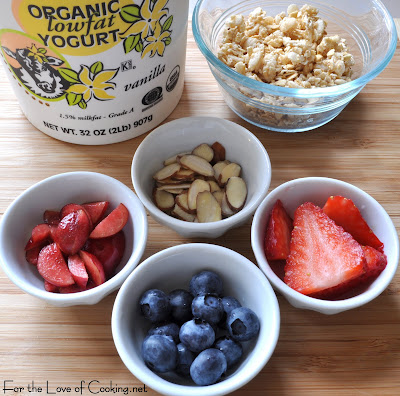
37, 71
43, 75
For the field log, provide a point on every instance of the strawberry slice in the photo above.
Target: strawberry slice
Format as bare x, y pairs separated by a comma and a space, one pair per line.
93, 267
278, 266
96, 210
112, 224
108, 250
52, 266
322, 255
90, 285
70, 289
78, 270
376, 262
53, 231
72, 207
346, 214
32, 255
69, 208
277, 238
50, 287
72, 232
40, 235
51, 217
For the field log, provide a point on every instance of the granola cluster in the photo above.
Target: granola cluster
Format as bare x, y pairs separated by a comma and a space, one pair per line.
289, 50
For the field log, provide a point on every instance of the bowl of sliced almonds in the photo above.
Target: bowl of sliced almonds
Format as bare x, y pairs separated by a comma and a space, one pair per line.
201, 176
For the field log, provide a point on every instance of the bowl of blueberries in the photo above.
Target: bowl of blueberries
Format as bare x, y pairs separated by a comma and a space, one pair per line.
186, 321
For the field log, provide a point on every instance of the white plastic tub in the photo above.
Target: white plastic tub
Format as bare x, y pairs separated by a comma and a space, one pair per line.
95, 72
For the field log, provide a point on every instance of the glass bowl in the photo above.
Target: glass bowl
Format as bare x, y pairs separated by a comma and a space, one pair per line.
365, 24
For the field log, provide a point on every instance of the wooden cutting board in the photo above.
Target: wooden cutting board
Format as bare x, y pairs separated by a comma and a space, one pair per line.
352, 353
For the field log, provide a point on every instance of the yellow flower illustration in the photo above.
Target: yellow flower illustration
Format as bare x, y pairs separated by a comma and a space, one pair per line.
156, 43
37, 53
95, 86
150, 17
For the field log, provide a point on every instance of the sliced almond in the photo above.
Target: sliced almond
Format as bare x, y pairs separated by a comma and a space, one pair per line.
214, 186
174, 158
182, 201
204, 151
218, 167
176, 191
164, 200
236, 193
229, 171
197, 164
189, 179
168, 181
219, 195
208, 209
184, 175
226, 210
175, 187
197, 187
219, 152
167, 172
182, 215
170, 160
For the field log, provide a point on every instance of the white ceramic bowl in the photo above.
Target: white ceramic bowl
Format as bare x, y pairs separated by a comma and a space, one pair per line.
173, 268
184, 135
318, 190
53, 193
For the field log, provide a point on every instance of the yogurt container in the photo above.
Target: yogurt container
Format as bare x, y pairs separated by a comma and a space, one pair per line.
95, 72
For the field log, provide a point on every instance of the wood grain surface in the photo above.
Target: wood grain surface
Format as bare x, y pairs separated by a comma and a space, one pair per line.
352, 353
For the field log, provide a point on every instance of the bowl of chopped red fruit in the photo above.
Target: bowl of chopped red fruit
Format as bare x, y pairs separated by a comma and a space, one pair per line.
73, 238
325, 244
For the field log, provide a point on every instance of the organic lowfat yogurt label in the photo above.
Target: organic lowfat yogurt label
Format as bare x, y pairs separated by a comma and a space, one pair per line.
95, 72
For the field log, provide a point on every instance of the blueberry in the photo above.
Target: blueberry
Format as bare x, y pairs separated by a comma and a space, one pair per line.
185, 360
229, 303
197, 335
208, 367
154, 305
242, 324
159, 352
181, 305
168, 329
232, 349
208, 308
206, 282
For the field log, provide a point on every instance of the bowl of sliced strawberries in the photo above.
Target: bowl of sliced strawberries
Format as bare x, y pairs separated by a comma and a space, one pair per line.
325, 244
201, 176
73, 238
